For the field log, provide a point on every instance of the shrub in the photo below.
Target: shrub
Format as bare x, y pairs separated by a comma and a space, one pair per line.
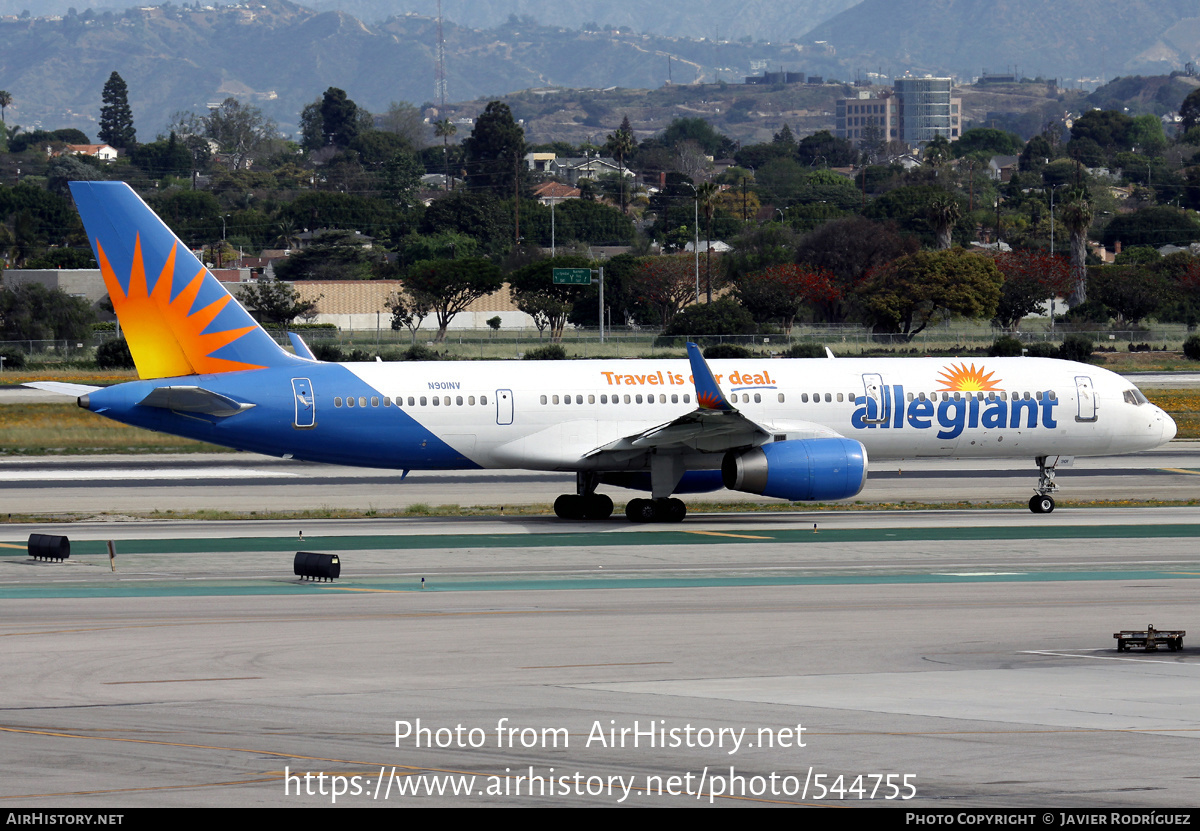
328, 352
726, 350
549, 352
114, 354
1041, 350
1191, 347
1076, 348
1005, 346
805, 350
13, 359
419, 352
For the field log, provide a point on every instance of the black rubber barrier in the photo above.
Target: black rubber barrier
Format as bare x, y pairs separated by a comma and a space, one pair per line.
49, 547
317, 566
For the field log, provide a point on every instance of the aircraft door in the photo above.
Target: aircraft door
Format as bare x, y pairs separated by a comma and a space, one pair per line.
306, 404
878, 404
1086, 397
504, 407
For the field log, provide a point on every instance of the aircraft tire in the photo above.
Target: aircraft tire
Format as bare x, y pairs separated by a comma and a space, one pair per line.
641, 510
1041, 504
673, 510
597, 506
569, 506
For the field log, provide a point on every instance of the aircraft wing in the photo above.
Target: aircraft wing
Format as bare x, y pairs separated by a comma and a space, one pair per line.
74, 390
714, 425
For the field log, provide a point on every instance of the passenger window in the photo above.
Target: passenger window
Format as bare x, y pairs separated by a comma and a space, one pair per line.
412, 402
543, 399
757, 398
687, 398
804, 397
638, 397
781, 397
591, 399
349, 401
471, 400
458, 400
604, 399
627, 398
337, 402
828, 398
555, 399
374, 400
436, 401
674, 398
424, 401
483, 399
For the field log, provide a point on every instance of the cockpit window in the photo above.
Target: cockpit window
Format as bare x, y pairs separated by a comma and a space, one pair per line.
1135, 397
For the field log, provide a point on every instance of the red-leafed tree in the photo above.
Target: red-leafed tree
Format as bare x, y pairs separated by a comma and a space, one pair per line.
1030, 279
781, 292
666, 284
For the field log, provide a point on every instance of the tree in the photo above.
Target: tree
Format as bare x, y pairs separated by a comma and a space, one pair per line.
449, 286
239, 130
1155, 226
6, 100
408, 312
333, 119
1189, 111
944, 212
333, 255
275, 303
405, 120
621, 144
1030, 277
707, 193
1130, 293
666, 284
905, 296
495, 151
779, 292
33, 312
539, 297
1076, 214
445, 130
116, 119
850, 249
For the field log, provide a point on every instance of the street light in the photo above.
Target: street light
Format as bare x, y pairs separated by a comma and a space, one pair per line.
696, 241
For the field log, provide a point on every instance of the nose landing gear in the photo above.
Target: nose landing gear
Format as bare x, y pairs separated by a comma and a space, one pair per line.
1042, 502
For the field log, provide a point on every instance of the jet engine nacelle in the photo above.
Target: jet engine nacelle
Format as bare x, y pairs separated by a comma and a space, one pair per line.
800, 470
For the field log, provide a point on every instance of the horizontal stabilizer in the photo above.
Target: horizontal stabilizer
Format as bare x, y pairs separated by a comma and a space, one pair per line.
301, 347
73, 390
194, 400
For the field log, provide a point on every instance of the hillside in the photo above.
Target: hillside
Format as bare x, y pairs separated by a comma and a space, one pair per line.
1068, 39
281, 56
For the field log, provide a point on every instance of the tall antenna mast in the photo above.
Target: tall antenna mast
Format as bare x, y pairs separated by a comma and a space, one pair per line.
439, 72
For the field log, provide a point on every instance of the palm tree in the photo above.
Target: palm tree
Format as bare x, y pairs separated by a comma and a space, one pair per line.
5, 100
943, 211
707, 193
620, 144
1077, 214
444, 129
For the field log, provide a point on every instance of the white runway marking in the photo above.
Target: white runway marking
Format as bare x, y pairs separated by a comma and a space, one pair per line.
144, 473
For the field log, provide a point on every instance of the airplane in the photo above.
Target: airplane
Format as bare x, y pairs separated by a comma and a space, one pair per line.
795, 429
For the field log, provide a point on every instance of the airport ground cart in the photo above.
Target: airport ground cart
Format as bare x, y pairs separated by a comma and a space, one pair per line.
1150, 640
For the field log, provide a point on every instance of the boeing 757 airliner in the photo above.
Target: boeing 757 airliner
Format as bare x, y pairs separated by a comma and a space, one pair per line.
800, 430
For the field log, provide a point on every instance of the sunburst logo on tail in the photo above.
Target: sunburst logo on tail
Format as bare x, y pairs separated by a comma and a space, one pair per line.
166, 336
962, 378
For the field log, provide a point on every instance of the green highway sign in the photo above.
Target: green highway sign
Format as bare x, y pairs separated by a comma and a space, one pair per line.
573, 276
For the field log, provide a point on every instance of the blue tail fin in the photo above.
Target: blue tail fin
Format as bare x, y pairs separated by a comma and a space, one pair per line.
177, 318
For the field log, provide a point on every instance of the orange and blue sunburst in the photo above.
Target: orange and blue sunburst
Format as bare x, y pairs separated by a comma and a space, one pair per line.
962, 378
177, 318
166, 336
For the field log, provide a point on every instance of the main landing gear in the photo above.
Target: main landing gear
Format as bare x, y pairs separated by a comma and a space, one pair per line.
669, 509
1042, 502
585, 503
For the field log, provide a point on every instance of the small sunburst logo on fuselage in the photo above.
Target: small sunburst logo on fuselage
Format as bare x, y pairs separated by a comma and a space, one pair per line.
961, 378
